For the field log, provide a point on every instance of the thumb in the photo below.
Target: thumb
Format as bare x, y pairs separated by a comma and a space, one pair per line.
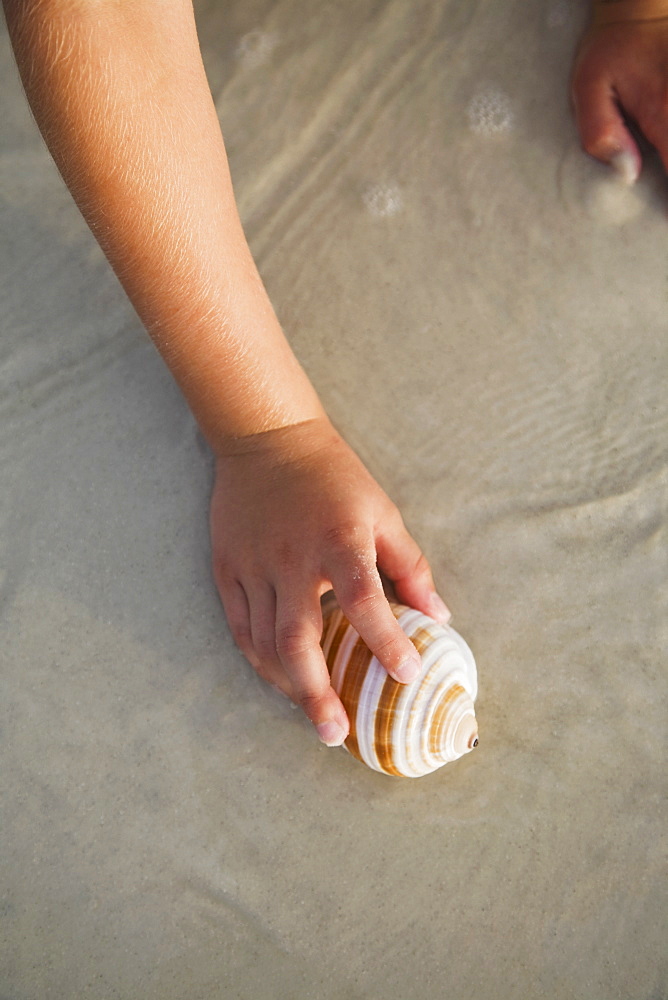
400, 558
602, 129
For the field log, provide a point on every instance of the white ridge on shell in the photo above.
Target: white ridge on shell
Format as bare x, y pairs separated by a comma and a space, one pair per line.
447, 664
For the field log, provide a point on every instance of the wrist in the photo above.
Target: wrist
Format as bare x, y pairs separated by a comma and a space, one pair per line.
257, 426
281, 444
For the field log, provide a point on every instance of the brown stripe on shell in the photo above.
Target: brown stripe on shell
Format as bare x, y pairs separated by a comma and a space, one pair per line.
385, 710
356, 670
337, 638
383, 723
440, 718
421, 638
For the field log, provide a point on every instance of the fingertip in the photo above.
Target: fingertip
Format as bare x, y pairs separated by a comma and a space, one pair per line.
613, 145
439, 609
601, 126
331, 733
422, 596
626, 165
332, 724
413, 583
408, 669
325, 710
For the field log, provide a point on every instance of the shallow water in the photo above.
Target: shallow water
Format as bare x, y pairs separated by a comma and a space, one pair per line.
411, 183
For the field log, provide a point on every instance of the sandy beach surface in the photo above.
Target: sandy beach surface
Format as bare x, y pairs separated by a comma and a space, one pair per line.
483, 311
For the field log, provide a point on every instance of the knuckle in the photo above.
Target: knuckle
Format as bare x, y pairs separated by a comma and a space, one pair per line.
310, 700
288, 557
421, 567
389, 648
293, 640
343, 539
362, 598
423, 571
265, 648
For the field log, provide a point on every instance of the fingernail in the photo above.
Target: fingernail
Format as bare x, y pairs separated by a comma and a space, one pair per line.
331, 733
408, 670
439, 610
626, 166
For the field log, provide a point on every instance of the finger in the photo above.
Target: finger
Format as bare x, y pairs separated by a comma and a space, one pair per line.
603, 133
298, 632
262, 605
356, 583
652, 120
235, 605
402, 560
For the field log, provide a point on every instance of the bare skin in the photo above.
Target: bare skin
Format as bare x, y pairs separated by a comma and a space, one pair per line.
119, 92
621, 69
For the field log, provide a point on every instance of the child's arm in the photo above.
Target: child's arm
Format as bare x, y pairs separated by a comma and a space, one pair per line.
621, 69
119, 92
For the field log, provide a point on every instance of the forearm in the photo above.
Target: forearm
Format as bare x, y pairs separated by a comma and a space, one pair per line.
615, 11
119, 92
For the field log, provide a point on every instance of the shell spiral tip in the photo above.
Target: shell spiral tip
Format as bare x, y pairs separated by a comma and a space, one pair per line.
404, 729
466, 735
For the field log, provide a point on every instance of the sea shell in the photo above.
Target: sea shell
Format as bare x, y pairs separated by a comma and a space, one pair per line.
404, 729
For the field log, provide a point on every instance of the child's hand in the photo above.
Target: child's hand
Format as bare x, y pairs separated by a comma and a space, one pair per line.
293, 514
621, 69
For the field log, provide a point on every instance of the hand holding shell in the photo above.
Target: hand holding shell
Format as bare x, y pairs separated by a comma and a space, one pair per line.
404, 729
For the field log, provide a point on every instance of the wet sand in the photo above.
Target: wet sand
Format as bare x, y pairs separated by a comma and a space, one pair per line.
483, 311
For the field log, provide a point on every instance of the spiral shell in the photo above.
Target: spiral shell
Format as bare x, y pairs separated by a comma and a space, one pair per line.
404, 729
